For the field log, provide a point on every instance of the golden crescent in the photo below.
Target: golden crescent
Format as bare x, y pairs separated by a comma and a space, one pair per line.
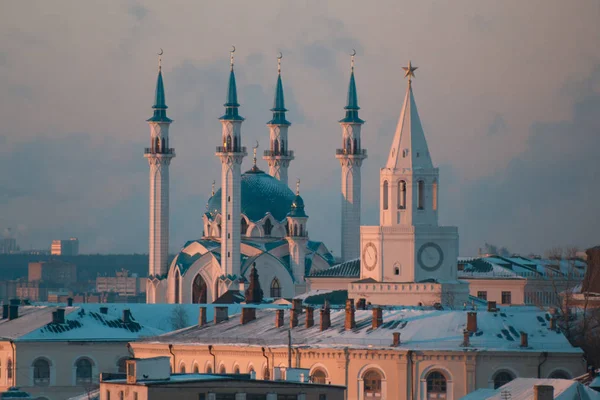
161, 52
353, 53
256, 145
232, 49
280, 56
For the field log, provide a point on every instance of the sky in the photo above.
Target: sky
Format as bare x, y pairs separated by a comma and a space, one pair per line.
508, 93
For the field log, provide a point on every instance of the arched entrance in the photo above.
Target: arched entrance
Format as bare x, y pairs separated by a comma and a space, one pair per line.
199, 290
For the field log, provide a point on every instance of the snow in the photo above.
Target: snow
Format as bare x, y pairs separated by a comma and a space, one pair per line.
523, 389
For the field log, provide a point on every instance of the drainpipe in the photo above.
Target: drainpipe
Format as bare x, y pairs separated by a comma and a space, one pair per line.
268, 376
14, 364
173, 354
289, 348
409, 378
130, 350
210, 351
347, 361
545, 355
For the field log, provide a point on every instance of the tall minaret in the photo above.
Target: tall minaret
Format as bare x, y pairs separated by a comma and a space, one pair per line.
351, 156
159, 156
278, 156
231, 154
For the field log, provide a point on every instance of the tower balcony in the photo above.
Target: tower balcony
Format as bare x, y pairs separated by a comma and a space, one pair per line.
278, 153
150, 151
351, 152
231, 149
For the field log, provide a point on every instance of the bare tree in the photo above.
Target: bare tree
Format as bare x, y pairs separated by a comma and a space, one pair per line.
179, 318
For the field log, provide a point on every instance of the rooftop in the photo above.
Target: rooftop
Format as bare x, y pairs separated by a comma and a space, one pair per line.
522, 389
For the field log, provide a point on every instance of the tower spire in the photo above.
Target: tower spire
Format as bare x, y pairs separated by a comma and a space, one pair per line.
160, 106
231, 103
352, 98
279, 101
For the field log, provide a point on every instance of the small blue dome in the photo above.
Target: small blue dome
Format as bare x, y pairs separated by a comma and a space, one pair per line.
261, 193
297, 208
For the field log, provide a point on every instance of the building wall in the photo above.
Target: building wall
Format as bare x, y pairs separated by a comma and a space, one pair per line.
123, 285
53, 271
494, 288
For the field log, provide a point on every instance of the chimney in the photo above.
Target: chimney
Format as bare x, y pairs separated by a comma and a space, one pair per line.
466, 338
491, 306
361, 304
543, 392
310, 317
377, 317
396, 339
279, 318
350, 323
103, 310
15, 302
524, 341
293, 317
70, 302
13, 312
127, 316
552, 326
472, 321
221, 314
5, 311
248, 314
58, 316
202, 316
325, 318
297, 305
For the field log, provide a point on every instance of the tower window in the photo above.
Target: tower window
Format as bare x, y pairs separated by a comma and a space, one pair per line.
228, 254
401, 195
396, 270
268, 226
228, 198
228, 217
434, 195
228, 235
244, 227
421, 194
385, 195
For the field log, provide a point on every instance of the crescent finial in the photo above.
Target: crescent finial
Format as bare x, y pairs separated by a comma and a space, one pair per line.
256, 147
232, 49
280, 56
160, 59
352, 59
161, 52
231, 56
353, 53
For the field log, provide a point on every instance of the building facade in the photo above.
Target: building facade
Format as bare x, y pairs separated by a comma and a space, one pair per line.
68, 247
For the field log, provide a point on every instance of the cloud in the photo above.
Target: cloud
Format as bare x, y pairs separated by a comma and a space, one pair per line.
138, 11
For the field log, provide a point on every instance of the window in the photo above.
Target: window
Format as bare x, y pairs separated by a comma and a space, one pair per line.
275, 288
222, 370
268, 227
436, 385
396, 271
502, 378
177, 283
372, 385
182, 369
9, 369
559, 374
83, 371
244, 226
209, 369
482, 295
236, 369
199, 290
196, 369
319, 376
108, 395
121, 395
434, 195
421, 194
122, 365
41, 372
506, 298
401, 195
135, 395
322, 396
385, 195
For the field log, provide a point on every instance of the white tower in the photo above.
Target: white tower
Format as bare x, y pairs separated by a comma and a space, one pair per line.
159, 156
351, 156
278, 156
231, 154
297, 237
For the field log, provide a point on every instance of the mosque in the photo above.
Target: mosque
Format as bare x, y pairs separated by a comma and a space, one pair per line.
256, 219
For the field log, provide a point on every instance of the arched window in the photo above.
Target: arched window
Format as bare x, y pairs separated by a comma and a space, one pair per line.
228, 143
199, 290
163, 147
251, 370
222, 370
559, 374
348, 145
122, 365
301, 230
182, 369
396, 270
196, 369
236, 369
244, 226
319, 376
177, 283
268, 226
282, 146
355, 148
83, 371
276, 146
401, 195
385, 195
41, 372
9, 369
421, 194
436, 385
121, 395
209, 369
434, 195
372, 384
287, 229
275, 288
217, 289
501, 378
235, 143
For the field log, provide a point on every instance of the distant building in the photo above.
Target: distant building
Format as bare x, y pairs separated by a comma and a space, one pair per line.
62, 273
122, 283
8, 246
152, 379
537, 389
65, 247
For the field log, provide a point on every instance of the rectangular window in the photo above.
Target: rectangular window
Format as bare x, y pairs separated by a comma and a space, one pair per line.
135, 395
482, 295
506, 298
108, 395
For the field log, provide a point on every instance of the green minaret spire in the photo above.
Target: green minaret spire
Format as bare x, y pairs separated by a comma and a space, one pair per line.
352, 101
279, 102
160, 107
231, 104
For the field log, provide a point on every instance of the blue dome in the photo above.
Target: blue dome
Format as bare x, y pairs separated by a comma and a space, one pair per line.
297, 209
261, 193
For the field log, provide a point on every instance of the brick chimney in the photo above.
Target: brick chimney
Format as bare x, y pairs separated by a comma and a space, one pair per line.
524, 340
202, 316
491, 306
466, 338
325, 318
103, 310
221, 314
248, 314
279, 318
5, 311
297, 305
552, 325
69, 302
377, 317
13, 312
361, 304
472, 321
396, 339
293, 317
350, 323
126, 316
543, 392
310, 317
58, 316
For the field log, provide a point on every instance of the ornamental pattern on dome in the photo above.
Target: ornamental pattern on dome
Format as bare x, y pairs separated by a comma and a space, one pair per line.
261, 194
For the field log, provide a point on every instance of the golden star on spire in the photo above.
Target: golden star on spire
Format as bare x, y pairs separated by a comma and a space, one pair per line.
409, 71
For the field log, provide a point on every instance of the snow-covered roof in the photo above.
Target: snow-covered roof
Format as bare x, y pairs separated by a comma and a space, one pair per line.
494, 266
420, 328
522, 389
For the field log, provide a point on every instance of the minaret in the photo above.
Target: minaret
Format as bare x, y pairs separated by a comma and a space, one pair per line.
409, 182
278, 156
231, 154
297, 237
159, 156
351, 156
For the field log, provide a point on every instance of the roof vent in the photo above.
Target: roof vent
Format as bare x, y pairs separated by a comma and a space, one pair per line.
524, 340
543, 392
58, 316
127, 316
13, 312
103, 310
202, 316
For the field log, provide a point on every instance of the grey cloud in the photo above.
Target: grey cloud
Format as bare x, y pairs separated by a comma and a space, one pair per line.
498, 125
138, 11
